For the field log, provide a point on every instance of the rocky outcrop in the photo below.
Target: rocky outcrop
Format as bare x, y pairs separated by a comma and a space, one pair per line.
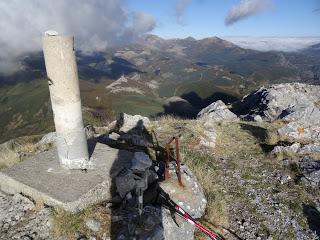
286, 150
295, 105
217, 111
132, 130
310, 171
272, 102
20, 220
128, 122
209, 137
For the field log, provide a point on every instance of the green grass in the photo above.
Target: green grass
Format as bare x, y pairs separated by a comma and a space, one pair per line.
25, 110
136, 104
66, 225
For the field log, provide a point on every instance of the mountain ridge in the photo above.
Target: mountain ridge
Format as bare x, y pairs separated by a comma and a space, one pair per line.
155, 69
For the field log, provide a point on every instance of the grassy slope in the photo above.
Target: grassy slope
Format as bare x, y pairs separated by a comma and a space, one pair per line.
239, 164
24, 110
25, 107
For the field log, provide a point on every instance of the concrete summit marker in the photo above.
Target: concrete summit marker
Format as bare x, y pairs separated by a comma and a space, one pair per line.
54, 177
61, 66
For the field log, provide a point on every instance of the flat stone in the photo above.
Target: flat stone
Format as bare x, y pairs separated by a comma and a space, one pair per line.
41, 178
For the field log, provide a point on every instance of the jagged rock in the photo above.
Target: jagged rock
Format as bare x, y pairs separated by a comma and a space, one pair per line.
93, 224
297, 149
127, 122
8, 145
310, 149
270, 102
48, 138
217, 111
133, 131
283, 179
294, 104
310, 170
299, 132
301, 113
286, 150
209, 136
257, 118
90, 131
180, 107
20, 220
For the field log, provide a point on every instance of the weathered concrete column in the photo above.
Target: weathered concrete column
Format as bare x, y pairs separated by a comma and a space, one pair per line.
61, 66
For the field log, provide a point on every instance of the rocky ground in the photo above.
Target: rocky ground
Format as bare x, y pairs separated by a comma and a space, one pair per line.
21, 219
260, 182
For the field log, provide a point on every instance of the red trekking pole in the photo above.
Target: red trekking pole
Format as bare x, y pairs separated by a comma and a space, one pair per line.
166, 201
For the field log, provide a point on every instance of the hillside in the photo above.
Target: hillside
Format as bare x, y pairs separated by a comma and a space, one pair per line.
138, 78
259, 169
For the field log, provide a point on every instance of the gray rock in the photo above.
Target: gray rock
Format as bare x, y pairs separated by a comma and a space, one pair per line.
20, 220
270, 102
8, 145
128, 122
294, 148
209, 136
90, 131
217, 111
93, 224
283, 179
310, 149
257, 118
48, 138
303, 123
301, 113
299, 132
292, 103
310, 170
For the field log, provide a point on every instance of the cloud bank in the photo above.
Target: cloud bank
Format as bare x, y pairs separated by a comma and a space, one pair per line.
96, 25
246, 8
286, 44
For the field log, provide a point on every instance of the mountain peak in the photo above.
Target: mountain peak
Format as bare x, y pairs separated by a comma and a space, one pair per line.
190, 39
152, 38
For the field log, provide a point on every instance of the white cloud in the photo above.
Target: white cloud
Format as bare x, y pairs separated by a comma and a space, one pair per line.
246, 8
96, 24
286, 44
180, 8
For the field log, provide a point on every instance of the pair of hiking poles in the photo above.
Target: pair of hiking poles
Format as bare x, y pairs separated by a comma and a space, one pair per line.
165, 200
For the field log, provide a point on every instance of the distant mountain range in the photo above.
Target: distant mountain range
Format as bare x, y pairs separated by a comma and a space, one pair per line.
140, 77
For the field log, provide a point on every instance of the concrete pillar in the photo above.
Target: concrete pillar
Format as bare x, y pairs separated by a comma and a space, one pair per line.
61, 66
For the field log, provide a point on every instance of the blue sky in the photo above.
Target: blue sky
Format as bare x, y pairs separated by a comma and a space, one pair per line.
203, 18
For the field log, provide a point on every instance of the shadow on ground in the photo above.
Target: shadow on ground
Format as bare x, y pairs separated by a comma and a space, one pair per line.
313, 217
260, 134
191, 104
129, 184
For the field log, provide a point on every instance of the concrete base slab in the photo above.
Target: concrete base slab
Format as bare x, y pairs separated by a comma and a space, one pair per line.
42, 178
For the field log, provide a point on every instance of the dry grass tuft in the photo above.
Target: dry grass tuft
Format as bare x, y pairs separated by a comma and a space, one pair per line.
8, 158
18, 149
66, 225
